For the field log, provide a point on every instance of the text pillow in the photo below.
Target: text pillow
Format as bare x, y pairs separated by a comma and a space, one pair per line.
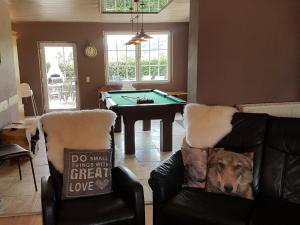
230, 173
86, 173
195, 164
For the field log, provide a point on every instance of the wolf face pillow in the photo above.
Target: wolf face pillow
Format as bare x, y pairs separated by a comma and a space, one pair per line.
230, 173
195, 164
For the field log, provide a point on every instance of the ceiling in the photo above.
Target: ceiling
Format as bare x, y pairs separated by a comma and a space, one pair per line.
88, 11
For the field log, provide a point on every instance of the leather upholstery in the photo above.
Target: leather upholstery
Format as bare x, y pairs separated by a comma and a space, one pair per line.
166, 181
12, 151
103, 209
49, 201
276, 143
197, 207
268, 211
124, 206
127, 186
281, 167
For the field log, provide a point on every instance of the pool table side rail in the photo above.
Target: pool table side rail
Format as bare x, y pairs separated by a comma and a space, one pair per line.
129, 91
107, 97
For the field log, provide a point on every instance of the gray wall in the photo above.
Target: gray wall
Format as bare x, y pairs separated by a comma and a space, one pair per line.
7, 71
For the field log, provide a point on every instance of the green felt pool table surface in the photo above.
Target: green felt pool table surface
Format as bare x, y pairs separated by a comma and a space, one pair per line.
121, 97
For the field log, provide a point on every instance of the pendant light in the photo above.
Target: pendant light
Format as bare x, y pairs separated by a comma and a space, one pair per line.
142, 36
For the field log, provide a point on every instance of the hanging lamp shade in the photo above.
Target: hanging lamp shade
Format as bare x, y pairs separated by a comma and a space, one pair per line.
131, 42
138, 39
143, 36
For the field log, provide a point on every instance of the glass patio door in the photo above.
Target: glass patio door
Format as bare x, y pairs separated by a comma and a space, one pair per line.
59, 70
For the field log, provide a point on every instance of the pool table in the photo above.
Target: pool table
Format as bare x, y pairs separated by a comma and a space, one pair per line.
124, 104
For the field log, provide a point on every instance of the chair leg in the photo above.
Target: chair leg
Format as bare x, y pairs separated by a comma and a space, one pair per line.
20, 173
33, 174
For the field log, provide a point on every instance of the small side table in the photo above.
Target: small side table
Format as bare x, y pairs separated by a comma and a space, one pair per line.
22, 133
15, 134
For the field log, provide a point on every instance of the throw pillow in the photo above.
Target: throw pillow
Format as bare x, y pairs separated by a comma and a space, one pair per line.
86, 173
195, 164
230, 173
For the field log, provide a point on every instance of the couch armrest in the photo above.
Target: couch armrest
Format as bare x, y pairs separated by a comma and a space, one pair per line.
49, 201
127, 186
167, 179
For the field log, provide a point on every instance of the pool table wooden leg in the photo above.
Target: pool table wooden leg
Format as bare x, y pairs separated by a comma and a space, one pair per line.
118, 124
146, 125
166, 132
129, 139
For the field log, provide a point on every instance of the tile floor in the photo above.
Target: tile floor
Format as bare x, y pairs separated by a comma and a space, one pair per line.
19, 198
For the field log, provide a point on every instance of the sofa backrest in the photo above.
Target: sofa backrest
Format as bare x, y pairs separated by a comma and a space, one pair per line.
281, 160
248, 133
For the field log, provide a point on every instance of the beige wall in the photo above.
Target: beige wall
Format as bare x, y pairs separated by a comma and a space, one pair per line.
248, 51
7, 73
30, 34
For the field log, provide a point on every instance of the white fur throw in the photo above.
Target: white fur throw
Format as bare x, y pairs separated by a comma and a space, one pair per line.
86, 129
207, 125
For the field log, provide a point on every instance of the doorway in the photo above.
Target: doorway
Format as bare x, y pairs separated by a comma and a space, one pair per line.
59, 76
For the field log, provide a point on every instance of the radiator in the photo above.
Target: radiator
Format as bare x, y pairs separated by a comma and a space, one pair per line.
284, 109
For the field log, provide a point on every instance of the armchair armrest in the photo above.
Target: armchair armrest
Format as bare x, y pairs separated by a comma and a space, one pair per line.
49, 201
127, 186
167, 179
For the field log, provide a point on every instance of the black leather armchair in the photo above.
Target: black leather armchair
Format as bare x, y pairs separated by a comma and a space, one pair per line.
124, 206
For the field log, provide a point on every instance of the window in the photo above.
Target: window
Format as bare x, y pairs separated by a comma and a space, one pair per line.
147, 62
115, 6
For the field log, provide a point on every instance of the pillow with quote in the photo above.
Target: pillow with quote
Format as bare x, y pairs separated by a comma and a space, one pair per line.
230, 173
195, 167
86, 173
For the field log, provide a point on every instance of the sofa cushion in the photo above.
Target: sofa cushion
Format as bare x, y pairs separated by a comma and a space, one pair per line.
269, 211
230, 173
281, 160
195, 166
103, 209
197, 207
87, 173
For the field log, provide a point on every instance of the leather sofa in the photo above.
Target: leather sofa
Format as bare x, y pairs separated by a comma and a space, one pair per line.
276, 184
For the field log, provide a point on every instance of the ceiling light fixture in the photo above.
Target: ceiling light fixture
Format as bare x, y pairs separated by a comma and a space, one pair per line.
142, 36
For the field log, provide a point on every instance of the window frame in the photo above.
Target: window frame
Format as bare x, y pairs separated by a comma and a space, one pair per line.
138, 57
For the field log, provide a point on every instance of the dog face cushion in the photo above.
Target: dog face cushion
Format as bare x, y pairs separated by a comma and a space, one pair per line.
86, 173
230, 173
195, 164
